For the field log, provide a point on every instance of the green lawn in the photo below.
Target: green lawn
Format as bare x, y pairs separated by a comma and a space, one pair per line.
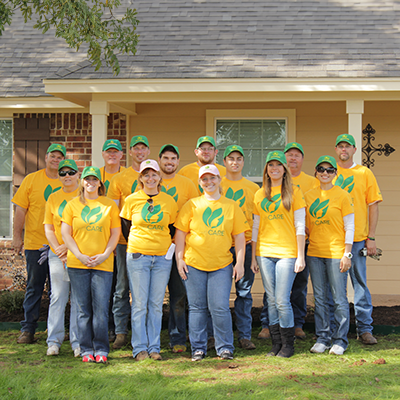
27, 373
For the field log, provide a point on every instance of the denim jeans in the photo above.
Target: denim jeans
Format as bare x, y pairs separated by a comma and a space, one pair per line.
111, 324
36, 278
121, 307
148, 277
264, 313
362, 296
177, 308
278, 276
209, 292
324, 272
244, 300
92, 289
58, 300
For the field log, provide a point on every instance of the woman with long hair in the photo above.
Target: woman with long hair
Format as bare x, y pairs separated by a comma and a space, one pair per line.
278, 247
90, 228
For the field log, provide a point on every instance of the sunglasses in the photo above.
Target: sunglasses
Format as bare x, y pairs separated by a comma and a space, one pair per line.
150, 208
329, 170
71, 172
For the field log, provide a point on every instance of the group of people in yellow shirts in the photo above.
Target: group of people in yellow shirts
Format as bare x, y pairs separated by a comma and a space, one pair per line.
205, 225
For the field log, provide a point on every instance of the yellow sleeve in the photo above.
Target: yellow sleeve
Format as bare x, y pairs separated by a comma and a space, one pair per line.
21, 198
240, 223
48, 215
183, 221
67, 215
115, 219
373, 191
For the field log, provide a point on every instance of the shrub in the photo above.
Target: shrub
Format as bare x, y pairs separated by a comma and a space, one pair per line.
12, 301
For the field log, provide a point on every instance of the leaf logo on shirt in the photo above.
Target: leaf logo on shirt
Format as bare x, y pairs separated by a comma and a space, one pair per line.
156, 214
61, 208
201, 189
171, 192
346, 184
239, 195
49, 190
107, 185
134, 186
213, 219
91, 216
272, 205
317, 207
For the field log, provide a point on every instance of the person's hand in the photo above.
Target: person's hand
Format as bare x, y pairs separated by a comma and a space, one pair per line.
96, 260
299, 265
182, 269
345, 264
238, 272
371, 247
254, 266
63, 258
84, 259
61, 250
18, 244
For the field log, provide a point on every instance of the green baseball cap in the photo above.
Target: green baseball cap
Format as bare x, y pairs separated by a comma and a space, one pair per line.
112, 144
68, 163
327, 159
57, 147
205, 139
276, 155
91, 171
346, 138
139, 139
233, 147
169, 147
294, 145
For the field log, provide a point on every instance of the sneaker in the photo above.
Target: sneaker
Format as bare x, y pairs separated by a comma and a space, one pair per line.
210, 343
198, 355
88, 359
53, 350
178, 348
337, 350
367, 338
155, 356
77, 352
226, 355
101, 359
26, 338
264, 334
142, 356
300, 334
246, 344
318, 348
120, 341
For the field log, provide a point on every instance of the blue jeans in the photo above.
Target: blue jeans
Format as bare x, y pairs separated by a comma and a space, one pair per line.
324, 272
177, 308
278, 276
208, 292
92, 289
36, 278
264, 313
362, 297
121, 307
244, 300
60, 288
148, 278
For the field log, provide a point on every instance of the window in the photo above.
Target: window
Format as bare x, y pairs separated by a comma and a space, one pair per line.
6, 153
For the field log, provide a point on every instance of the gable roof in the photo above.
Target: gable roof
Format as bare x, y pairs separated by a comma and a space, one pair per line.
223, 39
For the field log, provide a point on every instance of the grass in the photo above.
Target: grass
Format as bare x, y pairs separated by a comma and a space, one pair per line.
27, 373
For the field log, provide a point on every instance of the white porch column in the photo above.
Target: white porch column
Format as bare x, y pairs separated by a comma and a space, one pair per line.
99, 111
355, 110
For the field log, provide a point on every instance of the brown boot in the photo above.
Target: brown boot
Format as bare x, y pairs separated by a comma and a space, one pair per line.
246, 344
264, 334
367, 338
300, 334
120, 341
26, 338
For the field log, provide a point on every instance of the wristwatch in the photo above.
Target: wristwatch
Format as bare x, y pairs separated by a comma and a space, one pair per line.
348, 255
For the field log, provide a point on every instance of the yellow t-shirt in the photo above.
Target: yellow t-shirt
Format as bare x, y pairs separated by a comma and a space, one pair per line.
149, 232
242, 192
210, 227
91, 229
180, 188
191, 171
121, 186
305, 182
325, 212
32, 195
106, 177
277, 234
54, 209
360, 182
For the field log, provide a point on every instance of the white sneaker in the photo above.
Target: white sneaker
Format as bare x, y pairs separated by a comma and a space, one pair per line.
53, 350
318, 348
337, 350
77, 352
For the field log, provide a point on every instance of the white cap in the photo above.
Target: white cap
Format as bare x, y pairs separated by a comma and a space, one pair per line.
149, 164
208, 169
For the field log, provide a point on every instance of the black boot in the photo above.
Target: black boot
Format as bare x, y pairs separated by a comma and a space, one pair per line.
287, 335
276, 340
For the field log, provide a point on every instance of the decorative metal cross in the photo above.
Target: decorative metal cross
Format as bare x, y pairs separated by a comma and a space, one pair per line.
368, 149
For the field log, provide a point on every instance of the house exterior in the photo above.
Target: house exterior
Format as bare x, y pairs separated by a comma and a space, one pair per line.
258, 73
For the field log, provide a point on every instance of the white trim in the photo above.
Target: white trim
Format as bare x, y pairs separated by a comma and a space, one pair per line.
22, 103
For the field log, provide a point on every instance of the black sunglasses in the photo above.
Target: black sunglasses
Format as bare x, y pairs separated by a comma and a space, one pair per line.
150, 208
329, 170
71, 172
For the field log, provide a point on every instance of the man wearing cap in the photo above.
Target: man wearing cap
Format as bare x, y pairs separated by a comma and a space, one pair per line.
205, 151
121, 186
30, 201
181, 189
361, 183
240, 189
112, 154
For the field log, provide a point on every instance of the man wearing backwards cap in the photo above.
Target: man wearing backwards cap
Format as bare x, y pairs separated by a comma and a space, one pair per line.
181, 189
30, 201
121, 186
361, 183
112, 154
205, 151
